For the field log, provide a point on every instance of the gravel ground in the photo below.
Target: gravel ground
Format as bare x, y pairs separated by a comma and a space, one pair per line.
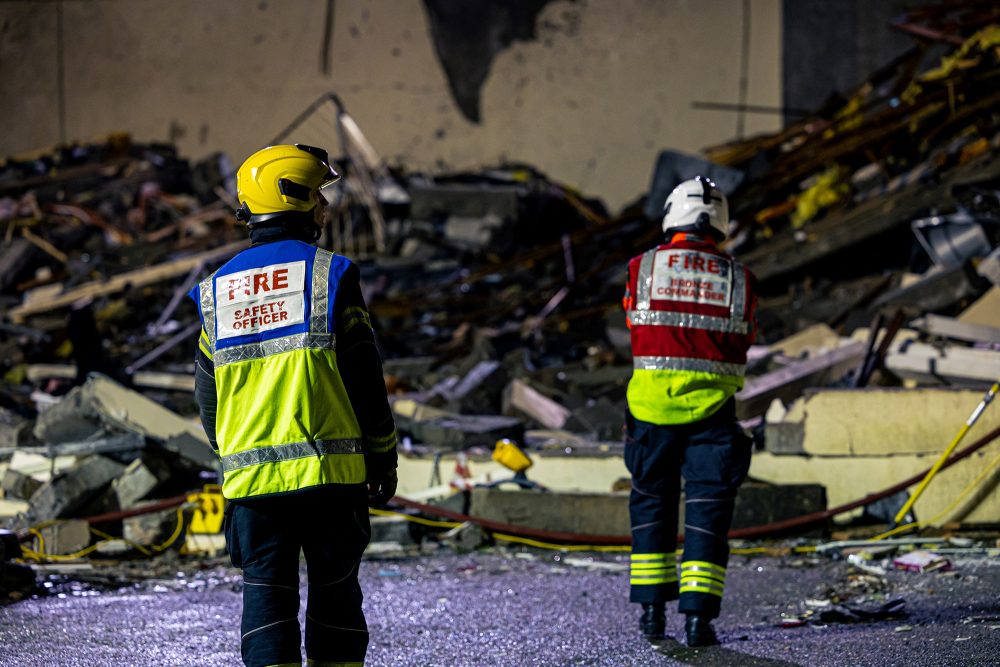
511, 608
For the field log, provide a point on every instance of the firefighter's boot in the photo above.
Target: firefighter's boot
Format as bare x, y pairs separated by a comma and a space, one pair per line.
699, 631
652, 622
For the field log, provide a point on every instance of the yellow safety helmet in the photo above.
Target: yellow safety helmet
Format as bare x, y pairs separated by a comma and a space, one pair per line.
281, 179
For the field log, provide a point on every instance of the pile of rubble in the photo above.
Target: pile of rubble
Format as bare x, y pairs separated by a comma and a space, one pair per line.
873, 226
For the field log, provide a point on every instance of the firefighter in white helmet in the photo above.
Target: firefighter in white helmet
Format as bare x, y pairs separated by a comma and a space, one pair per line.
690, 309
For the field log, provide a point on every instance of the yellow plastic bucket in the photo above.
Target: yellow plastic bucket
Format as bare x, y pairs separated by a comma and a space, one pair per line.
509, 455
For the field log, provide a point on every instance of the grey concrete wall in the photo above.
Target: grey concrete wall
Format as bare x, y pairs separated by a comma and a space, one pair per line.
603, 86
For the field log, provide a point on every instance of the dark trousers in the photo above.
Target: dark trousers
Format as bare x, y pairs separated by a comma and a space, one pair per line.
329, 525
713, 457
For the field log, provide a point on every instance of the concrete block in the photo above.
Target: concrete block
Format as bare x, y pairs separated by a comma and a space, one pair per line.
878, 421
66, 537
70, 420
68, 492
848, 478
758, 504
584, 513
15, 430
134, 483
11, 508
19, 486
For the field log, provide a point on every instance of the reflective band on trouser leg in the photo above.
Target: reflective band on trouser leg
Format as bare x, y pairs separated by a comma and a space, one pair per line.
699, 576
653, 569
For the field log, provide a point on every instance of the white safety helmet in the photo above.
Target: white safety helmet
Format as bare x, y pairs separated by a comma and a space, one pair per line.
697, 205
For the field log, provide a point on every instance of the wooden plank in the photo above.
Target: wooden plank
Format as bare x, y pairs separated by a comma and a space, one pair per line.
954, 363
788, 383
949, 327
145, 379
137, 278
842, 229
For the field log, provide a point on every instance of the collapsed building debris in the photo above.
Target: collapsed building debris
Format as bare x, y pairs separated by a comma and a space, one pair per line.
872, 226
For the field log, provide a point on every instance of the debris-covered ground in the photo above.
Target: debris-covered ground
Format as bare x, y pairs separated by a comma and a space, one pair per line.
523, 609
873, 225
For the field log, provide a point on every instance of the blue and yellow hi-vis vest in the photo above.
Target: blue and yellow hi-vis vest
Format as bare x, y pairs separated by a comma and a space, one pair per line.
284, 421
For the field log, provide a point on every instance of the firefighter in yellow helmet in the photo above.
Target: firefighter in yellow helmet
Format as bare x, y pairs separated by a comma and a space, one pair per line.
289, 386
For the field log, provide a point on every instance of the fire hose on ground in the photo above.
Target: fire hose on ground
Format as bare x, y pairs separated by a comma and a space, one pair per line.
580, 542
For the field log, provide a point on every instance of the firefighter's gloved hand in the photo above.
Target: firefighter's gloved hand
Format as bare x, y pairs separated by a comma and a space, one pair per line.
381, 488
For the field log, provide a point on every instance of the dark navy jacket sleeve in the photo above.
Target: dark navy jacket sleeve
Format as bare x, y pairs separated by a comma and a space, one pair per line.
360, 367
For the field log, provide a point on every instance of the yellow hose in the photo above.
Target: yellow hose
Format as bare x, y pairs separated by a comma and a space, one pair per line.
947, 452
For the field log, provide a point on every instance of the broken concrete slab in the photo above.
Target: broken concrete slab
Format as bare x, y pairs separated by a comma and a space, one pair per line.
18, 486
952, 364
65, 537
102, 404
135, 482
877, 421
789, 382
15, 431
40, 466
71, 419
73, 489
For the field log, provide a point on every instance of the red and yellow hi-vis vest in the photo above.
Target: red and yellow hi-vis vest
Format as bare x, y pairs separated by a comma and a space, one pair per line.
691, 310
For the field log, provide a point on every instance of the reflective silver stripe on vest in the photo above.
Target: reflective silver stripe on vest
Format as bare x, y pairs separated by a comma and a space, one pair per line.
686, 364
319, 320
288, 452
266, 348
668, 318
205, 291
644, 288
644, 285
738, 307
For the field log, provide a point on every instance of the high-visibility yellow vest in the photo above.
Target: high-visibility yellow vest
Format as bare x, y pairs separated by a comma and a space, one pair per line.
690, 309
284, 420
